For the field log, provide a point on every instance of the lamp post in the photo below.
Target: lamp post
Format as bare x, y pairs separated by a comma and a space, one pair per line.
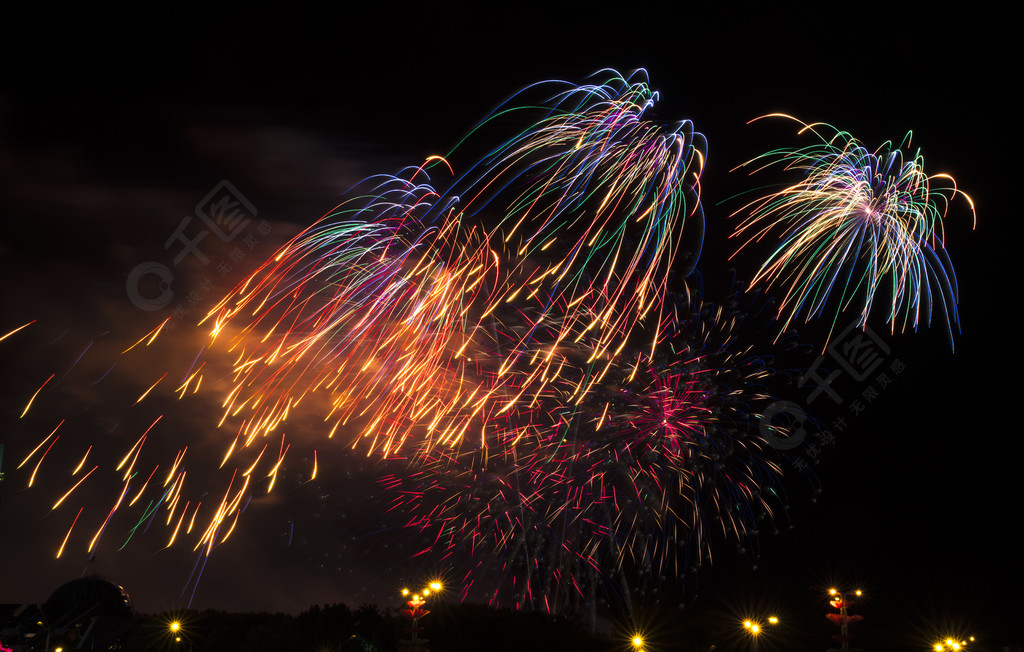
843, 618
45, 622
414, 611
755, 628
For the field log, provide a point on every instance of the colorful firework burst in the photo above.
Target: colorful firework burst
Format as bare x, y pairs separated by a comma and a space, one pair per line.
860, 227
411, 320
636, 482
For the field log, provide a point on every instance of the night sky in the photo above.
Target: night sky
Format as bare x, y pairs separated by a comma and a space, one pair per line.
110, 136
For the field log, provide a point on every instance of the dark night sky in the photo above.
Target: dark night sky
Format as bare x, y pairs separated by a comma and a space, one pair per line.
110, 134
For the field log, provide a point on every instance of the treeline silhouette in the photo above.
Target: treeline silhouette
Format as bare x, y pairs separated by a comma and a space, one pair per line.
337, 628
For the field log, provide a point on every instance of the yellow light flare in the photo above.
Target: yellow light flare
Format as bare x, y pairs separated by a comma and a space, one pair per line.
178, 459
232, 528
174, 535
110, 514
273, 472
144, 485
31, 400
32, 478
80, 481
9, 333
124, 460
40, 445
257, 461
82, 462
192, 521
60, 551
151, 335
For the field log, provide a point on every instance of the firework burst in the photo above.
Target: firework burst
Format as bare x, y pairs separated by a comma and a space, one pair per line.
394, 309
859, 228
637, 482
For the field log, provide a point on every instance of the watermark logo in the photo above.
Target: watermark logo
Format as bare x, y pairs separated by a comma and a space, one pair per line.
860, 352
784, 425
224, 212
144, 279
857, 353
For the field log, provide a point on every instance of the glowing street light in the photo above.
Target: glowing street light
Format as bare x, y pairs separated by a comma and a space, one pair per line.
637, 642
755, 628
951, 644
414, 612
843, 618
45, 623
177, 630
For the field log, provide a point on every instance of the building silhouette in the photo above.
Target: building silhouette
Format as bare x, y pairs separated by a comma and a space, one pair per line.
88, 613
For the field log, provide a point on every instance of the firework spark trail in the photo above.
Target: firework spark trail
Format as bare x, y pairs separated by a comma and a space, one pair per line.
516, 337
365, 312
387, 305
9, 333
593, 170
860, 226
640, 480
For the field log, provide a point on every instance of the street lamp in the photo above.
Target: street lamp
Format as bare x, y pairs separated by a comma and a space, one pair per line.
45, 623
755, 628
637, 642
843, 618
414, 612
177, 631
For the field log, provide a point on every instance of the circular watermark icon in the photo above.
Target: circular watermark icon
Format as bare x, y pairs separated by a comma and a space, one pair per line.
148, 279
784, 425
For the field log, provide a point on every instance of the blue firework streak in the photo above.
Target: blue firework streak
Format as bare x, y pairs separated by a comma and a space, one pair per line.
860, 227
